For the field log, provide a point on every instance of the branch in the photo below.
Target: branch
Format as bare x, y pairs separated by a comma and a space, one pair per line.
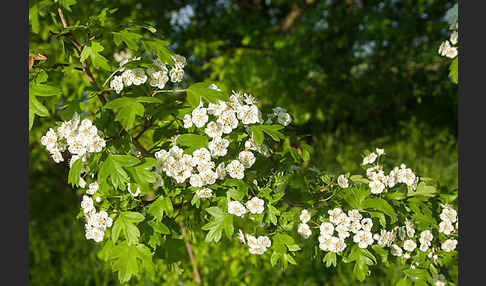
294, 14
92, 80
191, 254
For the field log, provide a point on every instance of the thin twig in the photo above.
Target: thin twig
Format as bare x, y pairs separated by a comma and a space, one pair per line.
191, 254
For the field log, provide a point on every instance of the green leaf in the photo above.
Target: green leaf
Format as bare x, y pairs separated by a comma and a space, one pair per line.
129, 108
221, 221
131, 39
330, 259
423, 190
383, 253
125, 223
270, 130
283, 241
34, 18
75, 173
159, 227
193, 141
273, 212
454, 70
356, 197
359, 179
159, 47
126, 258
160, 206
92, 51
112, 168
201, 90
35, 107
380, 205
43, 89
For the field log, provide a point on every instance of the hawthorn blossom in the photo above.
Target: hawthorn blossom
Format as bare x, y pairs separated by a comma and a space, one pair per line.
255, 205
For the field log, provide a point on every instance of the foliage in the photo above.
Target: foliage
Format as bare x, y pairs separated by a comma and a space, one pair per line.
155, 216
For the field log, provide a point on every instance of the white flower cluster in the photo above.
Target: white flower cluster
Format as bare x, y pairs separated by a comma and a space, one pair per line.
303, 228
159, 75
123, 57
96, 222
345, 224
283, 118
439, 280
448, 216
448, 48
254, 206
80, 139
379, 182
258, 245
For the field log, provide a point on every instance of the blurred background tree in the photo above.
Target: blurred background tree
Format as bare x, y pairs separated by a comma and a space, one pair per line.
355, 74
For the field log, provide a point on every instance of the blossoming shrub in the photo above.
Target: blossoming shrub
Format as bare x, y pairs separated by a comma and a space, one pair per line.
158, 160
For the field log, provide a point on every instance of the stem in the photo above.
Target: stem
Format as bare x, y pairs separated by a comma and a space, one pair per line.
169, 90
191, 254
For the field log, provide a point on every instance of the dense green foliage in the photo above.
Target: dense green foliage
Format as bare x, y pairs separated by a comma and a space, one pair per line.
353, 74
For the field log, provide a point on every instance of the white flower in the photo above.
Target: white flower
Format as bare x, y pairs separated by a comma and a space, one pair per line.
176, 74
439, 280
426, 236
158, 78
376, 187
87, 204
327, 242
179, 61
396, 250
369, 159
92, 188
355, 226
213, 86
214, 129
343, 231
343, 181
49, 140
248, 114
98, 234
448, 214
221, 171
57, 157
366, 224
246, 158
304, 230
241, 236
449, 245
236, 170
96, 145
363, 238
236, 208
117, 83
453, 38
187, 121
334, 215
409, 227
354, 215
218, 146
161, 155
196, 181
446, 227
137, 191
217, 108
380, 151
82, 182
326, 228
98, 199
204, 193
122, 57
424, 246
385, 238
201, 155
284, 118
255, 205
208, 176
199, 116
264, 241
228, 120
409, 245
305, 216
